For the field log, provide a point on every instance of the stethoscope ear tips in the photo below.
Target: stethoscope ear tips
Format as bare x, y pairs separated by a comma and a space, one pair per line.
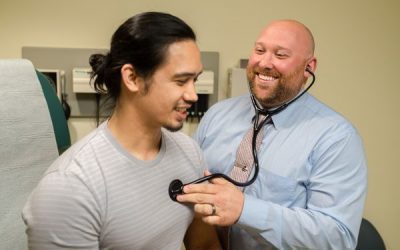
175, 188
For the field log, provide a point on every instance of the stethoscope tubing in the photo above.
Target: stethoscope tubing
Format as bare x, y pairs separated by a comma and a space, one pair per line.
176, 186
256, 130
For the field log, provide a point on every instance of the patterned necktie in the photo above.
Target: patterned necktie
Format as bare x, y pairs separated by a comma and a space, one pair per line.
242, 167
244, 155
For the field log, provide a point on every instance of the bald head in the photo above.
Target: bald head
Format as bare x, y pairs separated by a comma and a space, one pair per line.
281, 62
298, 36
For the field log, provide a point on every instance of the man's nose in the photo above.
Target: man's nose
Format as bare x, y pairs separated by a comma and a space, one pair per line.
190, 93
265, 61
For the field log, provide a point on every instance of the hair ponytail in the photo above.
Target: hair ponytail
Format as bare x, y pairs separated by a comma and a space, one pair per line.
99, 62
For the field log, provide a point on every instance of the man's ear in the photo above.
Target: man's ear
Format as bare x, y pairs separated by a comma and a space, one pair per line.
311, 66
129, 78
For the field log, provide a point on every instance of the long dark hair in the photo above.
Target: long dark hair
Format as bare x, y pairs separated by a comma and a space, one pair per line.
142, 41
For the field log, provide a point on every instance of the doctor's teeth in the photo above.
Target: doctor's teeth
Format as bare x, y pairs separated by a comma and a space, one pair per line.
265, 77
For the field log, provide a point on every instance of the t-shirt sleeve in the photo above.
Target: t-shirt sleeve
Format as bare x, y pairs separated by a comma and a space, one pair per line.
62, 213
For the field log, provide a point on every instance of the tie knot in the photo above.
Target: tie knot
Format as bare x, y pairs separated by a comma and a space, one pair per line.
263, 119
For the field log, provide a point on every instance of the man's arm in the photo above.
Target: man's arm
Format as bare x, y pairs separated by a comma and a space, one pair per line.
201, 236
62, 213
330, 219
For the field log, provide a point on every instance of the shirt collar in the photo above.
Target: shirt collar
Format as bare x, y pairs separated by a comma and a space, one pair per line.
281, 119
285, 116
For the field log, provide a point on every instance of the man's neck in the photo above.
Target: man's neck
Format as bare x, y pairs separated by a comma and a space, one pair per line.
140, 139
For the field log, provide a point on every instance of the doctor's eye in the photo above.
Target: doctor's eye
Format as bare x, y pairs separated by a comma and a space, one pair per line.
259, 50
281, 54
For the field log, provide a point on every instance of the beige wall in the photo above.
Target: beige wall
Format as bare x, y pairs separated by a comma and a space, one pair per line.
358, 47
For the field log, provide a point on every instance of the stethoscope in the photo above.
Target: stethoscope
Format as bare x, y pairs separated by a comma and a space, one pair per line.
176, 186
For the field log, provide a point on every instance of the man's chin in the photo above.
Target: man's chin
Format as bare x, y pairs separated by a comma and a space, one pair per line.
173, 128
263, 96
265, 99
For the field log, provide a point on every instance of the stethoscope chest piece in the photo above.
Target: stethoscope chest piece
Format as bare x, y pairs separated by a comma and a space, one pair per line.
175, 188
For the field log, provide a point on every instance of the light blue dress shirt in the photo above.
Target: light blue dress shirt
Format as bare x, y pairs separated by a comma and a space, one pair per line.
312, 183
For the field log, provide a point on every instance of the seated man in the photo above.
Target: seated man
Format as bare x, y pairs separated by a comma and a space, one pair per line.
109, 190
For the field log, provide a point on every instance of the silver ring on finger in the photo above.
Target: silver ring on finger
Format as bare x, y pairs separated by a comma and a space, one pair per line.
214, 210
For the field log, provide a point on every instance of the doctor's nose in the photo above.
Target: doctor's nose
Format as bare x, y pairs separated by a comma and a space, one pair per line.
265, 61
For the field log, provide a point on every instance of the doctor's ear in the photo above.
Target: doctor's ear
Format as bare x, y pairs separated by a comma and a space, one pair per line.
310, 67
129, 77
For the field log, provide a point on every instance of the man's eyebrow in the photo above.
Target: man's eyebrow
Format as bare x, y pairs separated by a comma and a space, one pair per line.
188, 74
283, 48
277, 47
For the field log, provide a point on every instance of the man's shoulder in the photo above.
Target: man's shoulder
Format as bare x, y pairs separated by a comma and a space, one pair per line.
326, 112
79, 153
327, 118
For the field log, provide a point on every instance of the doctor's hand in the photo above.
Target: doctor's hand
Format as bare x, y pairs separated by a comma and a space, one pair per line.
219, 202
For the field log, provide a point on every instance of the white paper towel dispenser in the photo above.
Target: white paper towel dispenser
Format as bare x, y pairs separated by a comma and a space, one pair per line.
205, 83
81, 80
